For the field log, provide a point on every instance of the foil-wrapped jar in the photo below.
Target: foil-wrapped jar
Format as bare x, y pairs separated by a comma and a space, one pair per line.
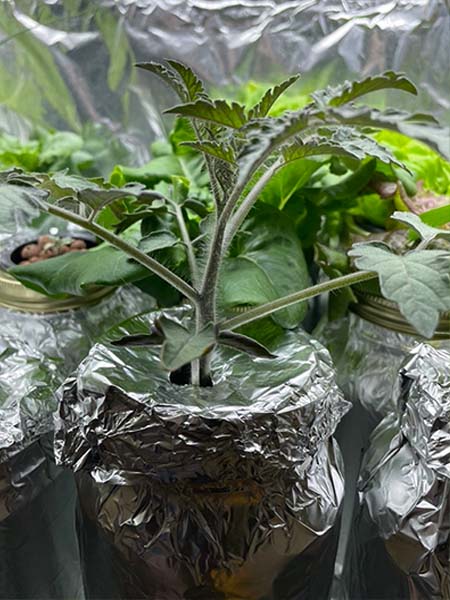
42, 340
403, 531
368, 347
229, 491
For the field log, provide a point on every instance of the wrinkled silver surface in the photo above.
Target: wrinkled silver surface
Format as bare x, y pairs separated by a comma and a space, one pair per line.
230, 491
405, 485
86, 50
367, 358
38, 351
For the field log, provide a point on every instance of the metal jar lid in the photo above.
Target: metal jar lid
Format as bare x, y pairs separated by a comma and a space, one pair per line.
376, 309
14, 295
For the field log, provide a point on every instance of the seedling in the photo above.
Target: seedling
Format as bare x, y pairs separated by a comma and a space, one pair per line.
243, 150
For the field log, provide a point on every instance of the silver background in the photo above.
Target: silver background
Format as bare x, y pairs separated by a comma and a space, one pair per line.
74, 57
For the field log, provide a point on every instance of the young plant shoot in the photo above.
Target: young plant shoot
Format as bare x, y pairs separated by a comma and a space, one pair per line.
243, 150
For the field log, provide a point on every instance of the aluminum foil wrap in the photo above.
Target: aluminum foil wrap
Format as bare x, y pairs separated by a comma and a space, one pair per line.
38, 351
368, 358
404, 529
69, 64
224, 492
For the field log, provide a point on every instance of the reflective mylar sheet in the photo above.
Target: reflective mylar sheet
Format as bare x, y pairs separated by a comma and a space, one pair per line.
224, 492
68, 63
404, 529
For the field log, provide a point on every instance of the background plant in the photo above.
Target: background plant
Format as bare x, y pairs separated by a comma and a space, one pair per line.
245, 150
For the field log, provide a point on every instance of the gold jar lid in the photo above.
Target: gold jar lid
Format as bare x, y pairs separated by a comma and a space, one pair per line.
15, 296
376, 309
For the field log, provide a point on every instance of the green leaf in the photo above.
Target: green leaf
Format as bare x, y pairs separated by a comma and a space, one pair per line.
140, 339
182, 346
271, 265
157, 240
17, 201
426, 232
426, 164
364, 116
351, 90
59, 145
264, 136
374, 209
287, 181
213, 111
262, 108
168, 76
162, 168
215, 149
436, 217
341, 141
193, 86
243, 343
76, 272
418, 282
349, 186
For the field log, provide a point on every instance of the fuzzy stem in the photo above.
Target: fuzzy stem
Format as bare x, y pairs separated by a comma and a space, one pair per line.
243, 210
270, 307
187, 242
150, 263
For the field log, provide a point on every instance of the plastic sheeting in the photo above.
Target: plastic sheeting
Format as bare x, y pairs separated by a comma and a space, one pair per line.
404, 530
224, 492
68, 64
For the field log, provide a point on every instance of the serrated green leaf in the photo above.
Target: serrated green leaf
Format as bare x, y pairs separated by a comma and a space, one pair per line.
262, 108
364, 116
418, 282
219, 112
426, 232
265, 135
215, 149
351, 90
194, 87
342, 141
167, 75
182, 346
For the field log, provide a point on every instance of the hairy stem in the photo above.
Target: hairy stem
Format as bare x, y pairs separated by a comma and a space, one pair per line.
243, 210
150, 263
188, 243
270, 307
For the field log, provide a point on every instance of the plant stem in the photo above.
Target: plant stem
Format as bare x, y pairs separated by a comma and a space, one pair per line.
270, 307
243, 210
150, 263
188, 243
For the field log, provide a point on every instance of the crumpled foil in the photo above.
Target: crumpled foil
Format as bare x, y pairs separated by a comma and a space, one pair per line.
78, 56
224, 492
404, 530
368, 358
38, 351
39, 554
